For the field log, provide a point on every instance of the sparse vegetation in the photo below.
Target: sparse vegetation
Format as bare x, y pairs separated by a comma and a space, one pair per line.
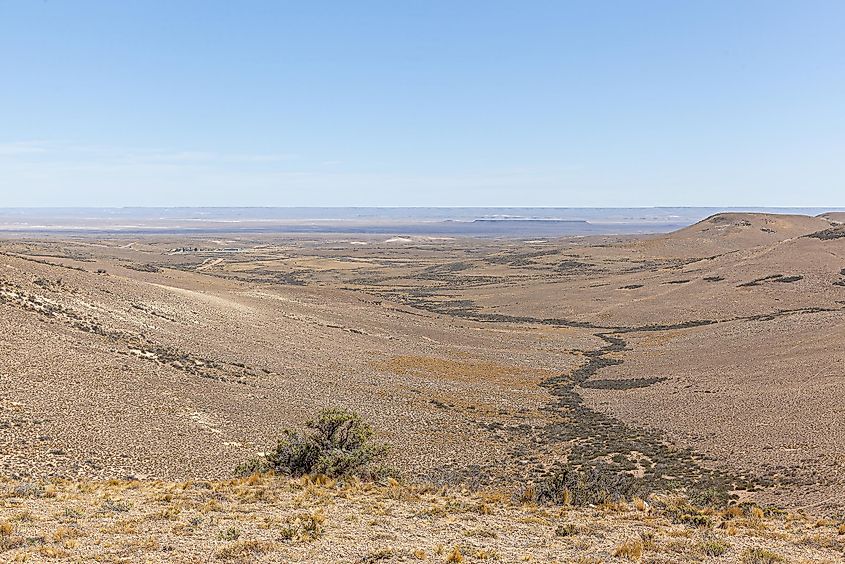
316, 519
761, 556
566, 530
595, 485
473, 430
631, 549
244, 550
828, 234
713, 547
143, 267
455, 556
338, 444
230, 534
709, 497
304, 527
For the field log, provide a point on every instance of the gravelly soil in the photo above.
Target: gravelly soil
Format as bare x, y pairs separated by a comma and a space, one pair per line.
680, 359
264, 519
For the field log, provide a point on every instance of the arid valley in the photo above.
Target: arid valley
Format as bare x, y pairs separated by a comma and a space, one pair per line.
422, 282
705, 360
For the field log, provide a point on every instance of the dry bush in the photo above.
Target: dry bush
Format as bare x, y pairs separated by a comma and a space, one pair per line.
338, 444
230, 534
304, 527
595, 485
713, 547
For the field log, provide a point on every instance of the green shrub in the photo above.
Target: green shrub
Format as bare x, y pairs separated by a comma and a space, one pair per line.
337, 443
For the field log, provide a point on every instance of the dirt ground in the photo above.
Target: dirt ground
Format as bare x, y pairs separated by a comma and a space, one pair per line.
711, 357
262, 519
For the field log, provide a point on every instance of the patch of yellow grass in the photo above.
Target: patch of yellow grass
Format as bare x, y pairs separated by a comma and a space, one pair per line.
53, 552
486, 554
761, 556
631, 549
23, 516
121, 527
116, 524
63, 532
455, 556
245, 550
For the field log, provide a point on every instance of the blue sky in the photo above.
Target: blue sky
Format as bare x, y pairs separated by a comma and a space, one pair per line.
430, 103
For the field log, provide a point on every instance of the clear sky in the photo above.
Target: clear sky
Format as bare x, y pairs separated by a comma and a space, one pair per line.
422, 102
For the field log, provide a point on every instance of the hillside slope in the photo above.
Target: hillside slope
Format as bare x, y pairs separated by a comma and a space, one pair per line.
726, 232
481, 362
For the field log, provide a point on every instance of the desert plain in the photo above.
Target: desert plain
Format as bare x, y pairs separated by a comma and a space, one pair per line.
709, 359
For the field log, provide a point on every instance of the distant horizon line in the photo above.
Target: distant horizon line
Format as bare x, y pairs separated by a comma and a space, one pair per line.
732, 207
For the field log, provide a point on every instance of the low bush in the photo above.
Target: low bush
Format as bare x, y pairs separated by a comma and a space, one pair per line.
713, 547
709, 497
337, 444
593, 485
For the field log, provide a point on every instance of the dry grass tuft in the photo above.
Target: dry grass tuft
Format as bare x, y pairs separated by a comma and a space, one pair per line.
245, 550
304, 527
486, 554
63, 533
287, 522
761, 556
640, 504
713, 547
631, 549
455, 556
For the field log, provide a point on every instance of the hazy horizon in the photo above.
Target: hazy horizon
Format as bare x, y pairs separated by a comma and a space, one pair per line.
643, 207
422, 221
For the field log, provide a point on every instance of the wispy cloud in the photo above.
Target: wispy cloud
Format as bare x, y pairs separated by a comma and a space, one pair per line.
61, 173
19, 148
57, 152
